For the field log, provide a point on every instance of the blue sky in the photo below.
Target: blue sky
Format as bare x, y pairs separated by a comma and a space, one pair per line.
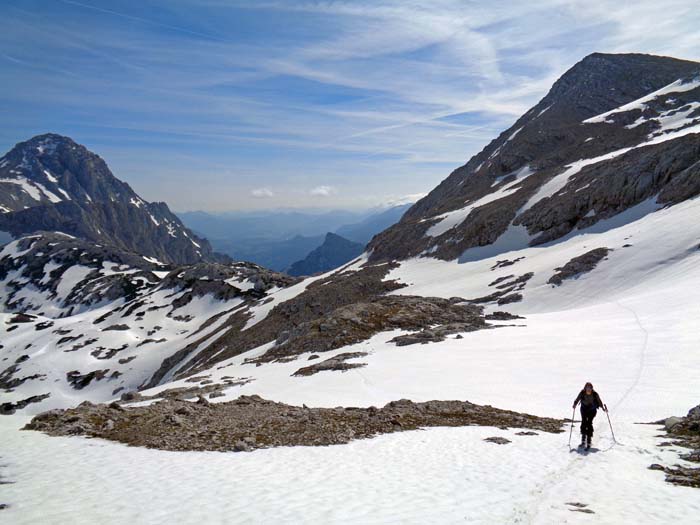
223, 105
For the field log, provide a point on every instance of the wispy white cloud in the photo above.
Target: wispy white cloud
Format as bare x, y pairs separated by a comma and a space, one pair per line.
262, 193
392, 201
322, 191
303, 94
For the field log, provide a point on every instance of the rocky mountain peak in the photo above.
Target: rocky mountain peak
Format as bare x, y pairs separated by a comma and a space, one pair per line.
52, 183
603, 81
613, 131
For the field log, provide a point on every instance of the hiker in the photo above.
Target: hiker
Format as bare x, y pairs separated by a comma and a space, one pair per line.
590, 403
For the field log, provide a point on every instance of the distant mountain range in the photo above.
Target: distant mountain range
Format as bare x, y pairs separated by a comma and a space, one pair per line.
277, 240
51, 183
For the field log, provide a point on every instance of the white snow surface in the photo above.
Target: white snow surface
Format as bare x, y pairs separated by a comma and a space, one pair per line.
629, 326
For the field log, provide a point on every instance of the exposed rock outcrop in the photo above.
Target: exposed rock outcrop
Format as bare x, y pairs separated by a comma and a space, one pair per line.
685, 432
579, 265
338, 362
361, 320
251, 422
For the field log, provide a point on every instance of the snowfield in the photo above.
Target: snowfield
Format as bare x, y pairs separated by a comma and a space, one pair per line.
438, 475
629, 326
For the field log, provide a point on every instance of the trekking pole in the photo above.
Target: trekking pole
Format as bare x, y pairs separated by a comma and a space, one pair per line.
609, 423
572, 426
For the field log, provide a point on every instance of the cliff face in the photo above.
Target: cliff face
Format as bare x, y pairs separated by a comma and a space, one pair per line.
50, 183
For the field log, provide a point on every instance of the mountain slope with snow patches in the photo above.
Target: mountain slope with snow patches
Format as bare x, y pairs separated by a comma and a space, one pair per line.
613, 131
575, 232
51, 183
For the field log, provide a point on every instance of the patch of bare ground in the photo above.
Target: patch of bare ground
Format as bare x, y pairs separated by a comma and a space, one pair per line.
251, 422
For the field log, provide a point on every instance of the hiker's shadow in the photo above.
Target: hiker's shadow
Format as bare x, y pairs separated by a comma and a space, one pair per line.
584, 452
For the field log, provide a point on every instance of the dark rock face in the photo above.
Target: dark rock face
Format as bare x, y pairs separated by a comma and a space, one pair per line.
685, 432
543, 143
334, 252
578, 265
50, 183
359, 321
251, 422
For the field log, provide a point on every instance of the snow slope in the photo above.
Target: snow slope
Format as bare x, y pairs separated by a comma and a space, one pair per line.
630, 326
438, 475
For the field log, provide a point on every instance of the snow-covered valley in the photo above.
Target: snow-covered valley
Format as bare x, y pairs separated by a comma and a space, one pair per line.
629, 325
434, 375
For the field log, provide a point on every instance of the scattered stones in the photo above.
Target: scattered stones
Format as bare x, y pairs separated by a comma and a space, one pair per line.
68, 339
8, 381
201, 400
80, 381
131, 396
685, 432
505, 262
7, 409
580, 507
502, 316
22, 318
149, 340
526, 433
579, 265
337, 362
117, 327
498, 440
197, 379
511, 298
250, 422
671, 422
241, 446
506, 290
103, 353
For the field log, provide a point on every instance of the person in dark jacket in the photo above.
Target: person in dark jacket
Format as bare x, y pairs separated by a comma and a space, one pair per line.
590, 403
